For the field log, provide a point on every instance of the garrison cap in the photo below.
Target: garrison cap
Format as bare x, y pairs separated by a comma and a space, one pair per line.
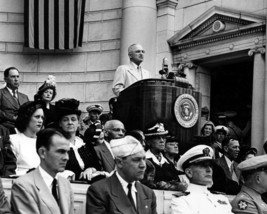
196, 154
255, 163
125, 146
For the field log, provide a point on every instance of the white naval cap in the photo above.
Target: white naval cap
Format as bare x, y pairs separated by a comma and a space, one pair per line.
125, 146
196, 154
222, 129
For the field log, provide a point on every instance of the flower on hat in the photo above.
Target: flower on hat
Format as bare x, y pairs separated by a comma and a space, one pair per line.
51, 80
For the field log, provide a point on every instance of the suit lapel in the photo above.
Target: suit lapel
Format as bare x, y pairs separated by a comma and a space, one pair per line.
226, 168
142, 201
133, 72
64, 199
108, 156
9, 98
45, 194
118, 196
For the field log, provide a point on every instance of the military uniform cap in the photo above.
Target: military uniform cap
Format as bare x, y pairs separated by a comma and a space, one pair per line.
125, 146
96, 107
255, 163
194, 155
222, 129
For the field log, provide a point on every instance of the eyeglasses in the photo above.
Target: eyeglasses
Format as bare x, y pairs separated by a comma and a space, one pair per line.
140, 51
118, 130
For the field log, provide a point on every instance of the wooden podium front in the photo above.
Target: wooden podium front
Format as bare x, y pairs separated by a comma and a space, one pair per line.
151, 100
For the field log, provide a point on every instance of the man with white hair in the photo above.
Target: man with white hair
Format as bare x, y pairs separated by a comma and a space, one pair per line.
197, 165
126, 75
122, 192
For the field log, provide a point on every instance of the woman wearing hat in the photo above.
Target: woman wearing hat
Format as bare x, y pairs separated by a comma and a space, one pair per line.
82, 158
29, 122
47, 93
165, 177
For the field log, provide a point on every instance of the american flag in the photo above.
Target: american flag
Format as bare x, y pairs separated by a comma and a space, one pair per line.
53, 24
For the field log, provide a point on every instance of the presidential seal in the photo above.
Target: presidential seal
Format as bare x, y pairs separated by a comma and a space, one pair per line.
186, 110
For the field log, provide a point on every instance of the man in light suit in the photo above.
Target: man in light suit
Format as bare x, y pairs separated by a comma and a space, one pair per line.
126, 75
114, 129
42, 190
122, 192
11, 99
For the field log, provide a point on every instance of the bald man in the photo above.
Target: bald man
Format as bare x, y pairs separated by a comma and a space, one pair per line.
126, 75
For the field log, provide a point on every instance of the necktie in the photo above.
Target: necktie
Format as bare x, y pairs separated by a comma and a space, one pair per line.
54, 189
14, 95
233, 174
130, 197
140, 71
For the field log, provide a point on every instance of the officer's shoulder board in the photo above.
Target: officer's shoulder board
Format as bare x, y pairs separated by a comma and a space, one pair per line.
179, 194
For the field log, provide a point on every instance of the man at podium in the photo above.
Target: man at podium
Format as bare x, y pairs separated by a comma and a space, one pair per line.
126, 75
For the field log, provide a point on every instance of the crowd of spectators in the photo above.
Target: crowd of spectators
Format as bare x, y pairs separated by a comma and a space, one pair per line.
93, 154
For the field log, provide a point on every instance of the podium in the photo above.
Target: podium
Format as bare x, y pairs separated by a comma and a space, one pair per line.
155, 100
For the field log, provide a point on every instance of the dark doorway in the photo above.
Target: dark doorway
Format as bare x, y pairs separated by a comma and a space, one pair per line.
231, 89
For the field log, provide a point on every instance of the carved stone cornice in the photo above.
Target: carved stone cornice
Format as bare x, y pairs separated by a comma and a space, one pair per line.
255, 50
167, 3
188, 43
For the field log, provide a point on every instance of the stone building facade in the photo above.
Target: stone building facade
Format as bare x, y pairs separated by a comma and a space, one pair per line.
225, 61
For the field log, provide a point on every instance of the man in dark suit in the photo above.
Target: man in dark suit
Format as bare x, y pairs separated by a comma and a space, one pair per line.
42, 190
114, 129
7, 158
226, 168
122, 192
11, 99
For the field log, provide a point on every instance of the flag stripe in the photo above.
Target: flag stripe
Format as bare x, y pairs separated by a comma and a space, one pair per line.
36, 23
66, 24
26, 23
56, 26
82, 11
41, 24
46, 24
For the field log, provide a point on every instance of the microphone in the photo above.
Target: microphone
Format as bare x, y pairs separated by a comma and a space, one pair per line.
165, 68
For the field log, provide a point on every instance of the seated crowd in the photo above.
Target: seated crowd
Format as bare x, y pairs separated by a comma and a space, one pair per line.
99, 151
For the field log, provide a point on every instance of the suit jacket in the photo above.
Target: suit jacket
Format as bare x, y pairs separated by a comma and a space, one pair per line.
105, 158
126, 75
9, 107
30, 195
222, 163
108, 197
4, 205
8, 161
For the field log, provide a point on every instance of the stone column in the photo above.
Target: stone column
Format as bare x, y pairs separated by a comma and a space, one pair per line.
139, 18
258, 121
165, 30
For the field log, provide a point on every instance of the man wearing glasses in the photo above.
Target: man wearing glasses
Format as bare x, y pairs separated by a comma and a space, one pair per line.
126, 75
113, 129
249, 200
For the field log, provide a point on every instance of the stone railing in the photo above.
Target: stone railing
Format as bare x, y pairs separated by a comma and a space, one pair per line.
163, 197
